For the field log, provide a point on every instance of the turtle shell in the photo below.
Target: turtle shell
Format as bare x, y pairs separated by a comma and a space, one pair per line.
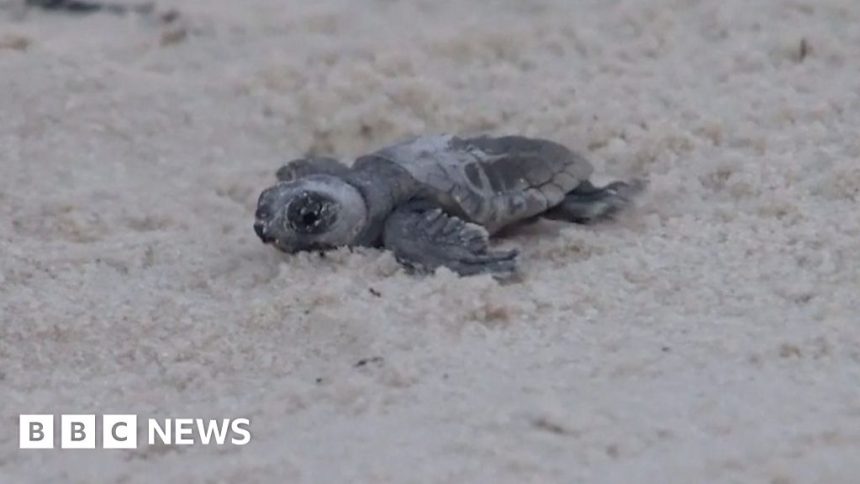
490, 181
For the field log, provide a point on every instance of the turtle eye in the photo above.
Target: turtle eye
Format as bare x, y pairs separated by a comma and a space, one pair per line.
309, 213
309, 219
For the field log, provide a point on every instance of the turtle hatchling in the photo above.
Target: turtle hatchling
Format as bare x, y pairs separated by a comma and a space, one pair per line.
434, 200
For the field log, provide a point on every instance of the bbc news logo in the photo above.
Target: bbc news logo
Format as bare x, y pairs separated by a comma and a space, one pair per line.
120, 431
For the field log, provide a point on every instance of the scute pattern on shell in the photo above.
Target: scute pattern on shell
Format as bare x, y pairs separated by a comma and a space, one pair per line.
490, 181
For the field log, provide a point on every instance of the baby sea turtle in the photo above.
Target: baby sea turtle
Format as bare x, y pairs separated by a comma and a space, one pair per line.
434, 200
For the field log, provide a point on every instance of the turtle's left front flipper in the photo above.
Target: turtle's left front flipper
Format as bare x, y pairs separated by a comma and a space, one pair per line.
311, 165
423, 237
90, 6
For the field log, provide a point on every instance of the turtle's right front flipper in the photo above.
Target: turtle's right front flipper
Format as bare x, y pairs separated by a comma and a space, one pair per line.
423, 238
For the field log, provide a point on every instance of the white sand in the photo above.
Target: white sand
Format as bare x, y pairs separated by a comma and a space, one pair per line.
710, 336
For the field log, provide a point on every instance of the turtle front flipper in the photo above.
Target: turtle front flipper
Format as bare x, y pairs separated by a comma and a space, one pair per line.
312, 165
587, 204
423, 238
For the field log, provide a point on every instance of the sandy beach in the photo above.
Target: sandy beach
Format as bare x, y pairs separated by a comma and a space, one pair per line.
712, 334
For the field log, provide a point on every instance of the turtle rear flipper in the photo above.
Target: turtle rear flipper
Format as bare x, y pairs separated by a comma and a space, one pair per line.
423, 238
588, 204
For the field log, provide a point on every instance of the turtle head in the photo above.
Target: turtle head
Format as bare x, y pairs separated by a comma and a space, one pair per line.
317, 212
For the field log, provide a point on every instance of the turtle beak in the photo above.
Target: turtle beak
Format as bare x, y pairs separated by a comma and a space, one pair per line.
260, 229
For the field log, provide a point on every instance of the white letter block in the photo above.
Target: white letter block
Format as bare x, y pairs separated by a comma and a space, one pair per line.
36, 431
119, 431
78, 431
